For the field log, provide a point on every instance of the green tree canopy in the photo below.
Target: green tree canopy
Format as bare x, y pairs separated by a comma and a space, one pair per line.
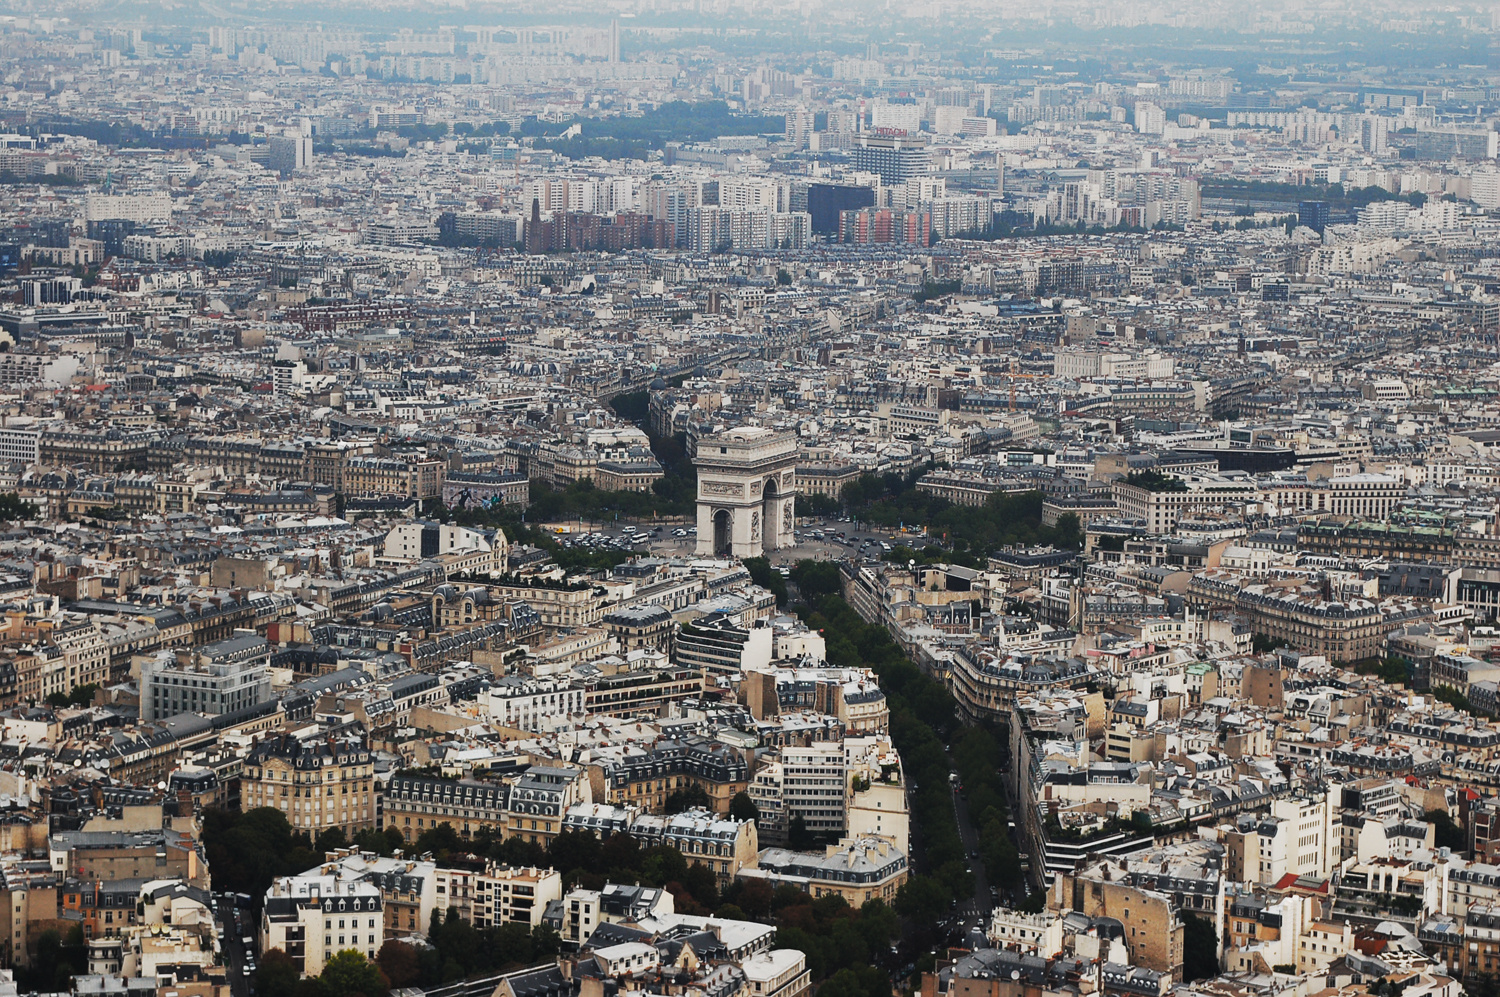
1200, 948
742, 807
349, 973
689, 797
276, 975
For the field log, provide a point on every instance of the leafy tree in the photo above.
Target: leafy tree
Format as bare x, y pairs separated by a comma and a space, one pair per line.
783, 278
633, 137
276, 975
247, 851
798, 837
349, 973
1154, 481
767, 577
702, 885
545, 943
742, 807
1454, 698
937, 289
458, 941
1200, 948
1447, 833
689, 797
662, 864
878, 924
1390, 670
753, 896
856, 981
423, 132
81, 696
818, 504
892, 500
380, 842
815, 579
55, 963
1263, 644
331, 840
922, 899
398, 961
13, 507
619, 852
633, 406
441, 841
459, 950
1034, 903
574, 851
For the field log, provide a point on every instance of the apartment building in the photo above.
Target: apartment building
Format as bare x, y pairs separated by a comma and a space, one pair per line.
311, 918
641, 692
1161, 504
645, 778
1296, 838
101, 449
1153, 931
317, 783
413, 804
715, 645
540, 798
723, 845
777, 973
417, 479
560, 604
217, 678
527, 703
582, 911
857, 869
494, 894
807, 782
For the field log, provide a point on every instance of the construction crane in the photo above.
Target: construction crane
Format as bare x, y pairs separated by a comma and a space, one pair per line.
1014, 376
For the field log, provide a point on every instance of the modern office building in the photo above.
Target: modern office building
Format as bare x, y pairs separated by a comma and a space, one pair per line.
826, 201
217, 678
1313, 214
895, 155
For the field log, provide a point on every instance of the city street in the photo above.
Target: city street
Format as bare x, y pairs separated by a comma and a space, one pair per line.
235, 925
980, 905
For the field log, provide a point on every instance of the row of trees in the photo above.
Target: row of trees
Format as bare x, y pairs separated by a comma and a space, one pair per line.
246, 851
892, 500
81, 696
582, 500
518, 530
835, 936
976, 756
674, 494
13, 508
1338, 197
347, 974
56, 960
922, 715
634, 137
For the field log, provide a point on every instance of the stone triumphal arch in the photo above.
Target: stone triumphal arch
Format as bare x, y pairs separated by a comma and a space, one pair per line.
747, 491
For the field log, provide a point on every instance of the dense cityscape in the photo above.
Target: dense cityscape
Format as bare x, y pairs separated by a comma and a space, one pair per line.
749, 499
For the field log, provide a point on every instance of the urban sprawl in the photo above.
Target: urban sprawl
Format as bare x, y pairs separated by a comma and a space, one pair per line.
748, 499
